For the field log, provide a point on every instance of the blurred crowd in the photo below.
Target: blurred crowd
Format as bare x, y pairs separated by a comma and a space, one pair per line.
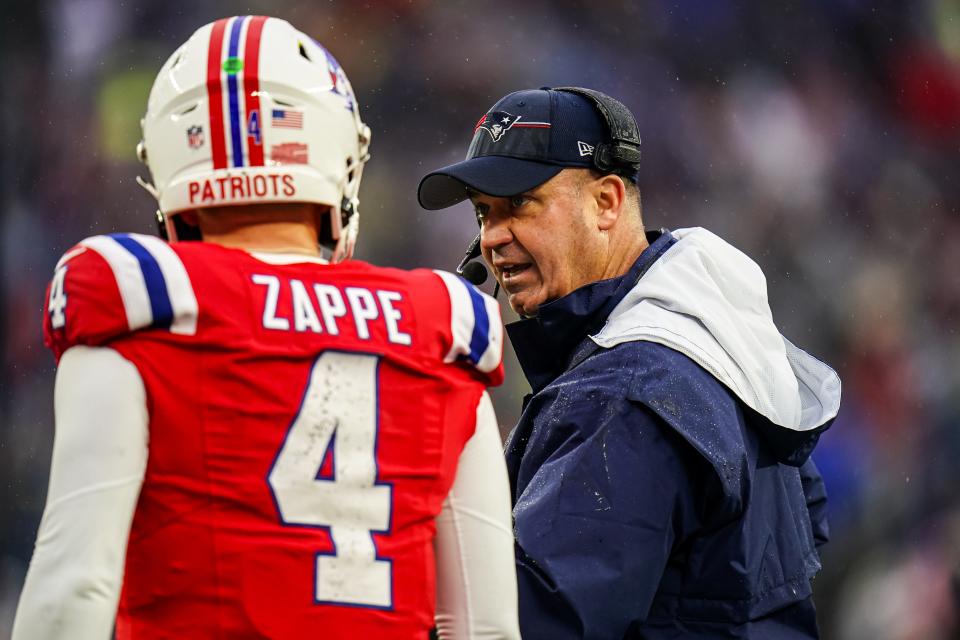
820, 137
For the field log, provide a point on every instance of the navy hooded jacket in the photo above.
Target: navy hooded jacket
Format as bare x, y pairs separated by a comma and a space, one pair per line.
651, 501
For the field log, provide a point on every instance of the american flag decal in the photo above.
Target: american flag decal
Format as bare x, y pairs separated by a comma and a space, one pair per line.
287, 119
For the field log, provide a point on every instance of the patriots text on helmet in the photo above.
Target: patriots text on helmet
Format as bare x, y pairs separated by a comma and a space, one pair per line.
241, 187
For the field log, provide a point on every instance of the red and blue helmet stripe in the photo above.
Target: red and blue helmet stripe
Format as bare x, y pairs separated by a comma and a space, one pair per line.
241, 74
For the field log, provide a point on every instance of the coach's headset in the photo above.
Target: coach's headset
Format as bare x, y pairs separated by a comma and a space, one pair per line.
620, 155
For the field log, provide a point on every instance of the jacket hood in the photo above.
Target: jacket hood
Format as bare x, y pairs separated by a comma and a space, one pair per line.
708, 300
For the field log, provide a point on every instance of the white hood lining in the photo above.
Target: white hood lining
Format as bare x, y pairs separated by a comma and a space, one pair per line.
707, 300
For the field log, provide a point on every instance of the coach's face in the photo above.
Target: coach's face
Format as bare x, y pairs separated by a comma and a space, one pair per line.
544, 243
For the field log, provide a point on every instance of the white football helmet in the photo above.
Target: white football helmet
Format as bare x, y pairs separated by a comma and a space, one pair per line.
251, 110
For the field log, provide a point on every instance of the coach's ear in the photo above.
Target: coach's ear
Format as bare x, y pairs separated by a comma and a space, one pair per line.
610, 195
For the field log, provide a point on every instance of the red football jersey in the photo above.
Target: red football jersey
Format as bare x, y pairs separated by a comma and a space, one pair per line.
305, 422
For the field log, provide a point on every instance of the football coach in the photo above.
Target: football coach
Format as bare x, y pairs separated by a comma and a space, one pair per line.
661, 476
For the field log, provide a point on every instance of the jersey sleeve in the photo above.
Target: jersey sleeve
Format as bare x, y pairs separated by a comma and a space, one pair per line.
476, 577
108, 286
474, 336
96, 471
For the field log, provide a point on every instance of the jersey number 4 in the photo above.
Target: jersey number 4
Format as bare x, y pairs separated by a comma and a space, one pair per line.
58, 299
339, 410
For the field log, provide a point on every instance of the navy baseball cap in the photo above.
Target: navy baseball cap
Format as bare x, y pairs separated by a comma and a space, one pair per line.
524, 140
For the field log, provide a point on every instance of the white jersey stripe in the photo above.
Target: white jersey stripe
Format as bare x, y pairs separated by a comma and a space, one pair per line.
461, 316
182, 298
129, 277
65, 258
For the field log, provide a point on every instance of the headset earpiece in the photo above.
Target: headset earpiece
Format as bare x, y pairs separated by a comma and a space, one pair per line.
623, 150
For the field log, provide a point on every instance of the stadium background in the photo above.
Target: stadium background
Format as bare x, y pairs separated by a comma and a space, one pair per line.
821, 137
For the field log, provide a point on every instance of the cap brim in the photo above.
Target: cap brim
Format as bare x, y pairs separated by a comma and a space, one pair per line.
493, 175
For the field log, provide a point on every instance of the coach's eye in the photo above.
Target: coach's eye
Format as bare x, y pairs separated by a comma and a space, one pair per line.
518, 201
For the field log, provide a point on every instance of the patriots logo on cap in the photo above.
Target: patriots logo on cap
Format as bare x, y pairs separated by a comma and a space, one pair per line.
497, 123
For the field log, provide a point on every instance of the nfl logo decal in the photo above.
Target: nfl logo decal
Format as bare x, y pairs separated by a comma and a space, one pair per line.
195, 137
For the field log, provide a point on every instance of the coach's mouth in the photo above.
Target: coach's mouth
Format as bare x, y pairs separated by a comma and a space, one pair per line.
512, 273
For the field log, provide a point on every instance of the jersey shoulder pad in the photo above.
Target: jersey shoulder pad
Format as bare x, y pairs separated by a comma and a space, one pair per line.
110, 285
475, 333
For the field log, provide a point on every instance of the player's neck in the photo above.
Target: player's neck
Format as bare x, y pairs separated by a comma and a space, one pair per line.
268, 237
279, 232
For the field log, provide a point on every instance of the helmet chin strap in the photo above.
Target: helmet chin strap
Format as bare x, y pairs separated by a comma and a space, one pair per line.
349, 221
348, 239
152, 190
162, 226
149, 188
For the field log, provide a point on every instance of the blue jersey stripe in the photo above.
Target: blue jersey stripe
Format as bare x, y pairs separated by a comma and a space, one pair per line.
480, 339
156, 286
234, 94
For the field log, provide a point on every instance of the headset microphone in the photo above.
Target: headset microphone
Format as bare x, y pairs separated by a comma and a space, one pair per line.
473, 271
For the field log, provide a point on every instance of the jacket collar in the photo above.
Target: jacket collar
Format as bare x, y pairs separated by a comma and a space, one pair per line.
544, 343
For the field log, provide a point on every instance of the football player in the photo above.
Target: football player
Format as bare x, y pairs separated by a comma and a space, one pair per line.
252, 441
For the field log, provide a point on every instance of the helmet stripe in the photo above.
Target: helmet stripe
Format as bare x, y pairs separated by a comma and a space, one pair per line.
251, 88
214, 95
236, 140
